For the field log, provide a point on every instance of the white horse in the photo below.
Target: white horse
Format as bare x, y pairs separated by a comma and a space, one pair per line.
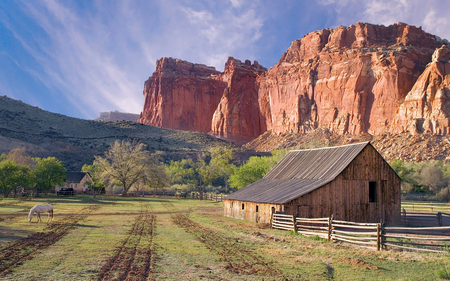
38, 209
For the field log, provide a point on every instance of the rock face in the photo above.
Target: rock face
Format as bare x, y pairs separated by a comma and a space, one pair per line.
426, 108
181, 95
353, 80
238, 117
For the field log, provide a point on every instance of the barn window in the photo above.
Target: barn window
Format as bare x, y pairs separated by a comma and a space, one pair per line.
372, 191
273, 210
243, 206
257, 208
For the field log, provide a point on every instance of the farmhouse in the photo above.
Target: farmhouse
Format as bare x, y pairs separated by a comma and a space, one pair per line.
351, 182
75, 180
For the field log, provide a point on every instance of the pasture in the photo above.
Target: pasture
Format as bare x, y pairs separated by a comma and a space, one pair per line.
113, 238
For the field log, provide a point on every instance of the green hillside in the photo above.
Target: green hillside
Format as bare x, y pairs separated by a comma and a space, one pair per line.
75, 141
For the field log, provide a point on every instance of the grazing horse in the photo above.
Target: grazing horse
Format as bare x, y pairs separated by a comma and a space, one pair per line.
38, 209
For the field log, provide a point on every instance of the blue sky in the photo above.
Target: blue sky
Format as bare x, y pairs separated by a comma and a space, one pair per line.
79, 58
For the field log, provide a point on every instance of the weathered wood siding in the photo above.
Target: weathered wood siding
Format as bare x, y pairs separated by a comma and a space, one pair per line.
233, 209
347, 197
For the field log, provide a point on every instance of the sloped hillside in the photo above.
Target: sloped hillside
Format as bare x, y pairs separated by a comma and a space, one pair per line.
76, 141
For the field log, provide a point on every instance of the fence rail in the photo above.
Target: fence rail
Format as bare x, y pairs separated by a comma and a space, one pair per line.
369, 235
412, 206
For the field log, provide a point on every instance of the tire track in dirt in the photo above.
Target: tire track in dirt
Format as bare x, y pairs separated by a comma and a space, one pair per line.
240, 259
17, 252
131, 262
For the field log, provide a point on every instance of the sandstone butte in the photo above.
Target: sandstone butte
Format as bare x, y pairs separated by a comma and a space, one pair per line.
361, 79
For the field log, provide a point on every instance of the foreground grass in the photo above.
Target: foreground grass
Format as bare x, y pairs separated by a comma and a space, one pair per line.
193, 241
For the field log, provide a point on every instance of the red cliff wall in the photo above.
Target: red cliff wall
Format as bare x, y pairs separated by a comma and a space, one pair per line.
349, 79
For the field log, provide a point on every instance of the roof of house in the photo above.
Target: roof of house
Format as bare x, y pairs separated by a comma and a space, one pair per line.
74, 176
298, 173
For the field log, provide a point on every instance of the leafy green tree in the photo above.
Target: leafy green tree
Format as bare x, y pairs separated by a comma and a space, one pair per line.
124, 164
254, 169
48, 173
220, 163
13, 176
95, 183
181, 172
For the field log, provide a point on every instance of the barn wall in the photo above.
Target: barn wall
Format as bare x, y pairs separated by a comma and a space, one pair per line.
233, 209
347, 197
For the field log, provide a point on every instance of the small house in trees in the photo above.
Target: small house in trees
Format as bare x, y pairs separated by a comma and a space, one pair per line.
351, 182
76, 180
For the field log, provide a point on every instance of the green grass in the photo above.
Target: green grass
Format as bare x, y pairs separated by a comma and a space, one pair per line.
182, 255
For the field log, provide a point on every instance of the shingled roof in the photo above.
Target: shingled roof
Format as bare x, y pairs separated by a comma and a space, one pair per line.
298, 173
74, 177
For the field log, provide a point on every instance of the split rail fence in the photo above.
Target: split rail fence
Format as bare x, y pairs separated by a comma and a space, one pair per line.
411, 206
368, 235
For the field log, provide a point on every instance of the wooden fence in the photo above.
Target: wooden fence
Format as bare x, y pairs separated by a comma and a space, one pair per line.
425, 219
368, 235
433, 207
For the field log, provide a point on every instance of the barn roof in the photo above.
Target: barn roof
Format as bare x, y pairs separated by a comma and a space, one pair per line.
298, 173
74, 176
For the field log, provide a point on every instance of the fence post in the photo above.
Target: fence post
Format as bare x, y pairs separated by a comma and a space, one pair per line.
439, 218
295, 224
330, 222
378, 236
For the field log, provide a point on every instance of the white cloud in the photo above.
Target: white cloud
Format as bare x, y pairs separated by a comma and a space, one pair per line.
100, 58
431, 15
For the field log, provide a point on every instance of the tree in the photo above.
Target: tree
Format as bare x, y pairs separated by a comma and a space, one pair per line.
95, 183
48, 173
13, 176
156, 177
20, 157
255, 169
433, 177
220, 163
124, 164
181, 172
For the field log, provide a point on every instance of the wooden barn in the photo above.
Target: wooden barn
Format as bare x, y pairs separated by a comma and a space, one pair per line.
351, 182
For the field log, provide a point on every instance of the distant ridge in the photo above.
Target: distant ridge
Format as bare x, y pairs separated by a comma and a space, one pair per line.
117, 116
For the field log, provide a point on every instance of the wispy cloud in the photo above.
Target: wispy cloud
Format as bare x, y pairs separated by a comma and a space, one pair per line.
432, 15
96, 55
98, 59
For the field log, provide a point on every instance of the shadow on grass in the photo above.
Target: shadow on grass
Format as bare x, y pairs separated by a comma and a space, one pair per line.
9, 234
86, 225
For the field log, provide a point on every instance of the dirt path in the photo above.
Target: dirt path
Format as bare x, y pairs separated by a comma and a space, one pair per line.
17, 252
131, 262
240, 259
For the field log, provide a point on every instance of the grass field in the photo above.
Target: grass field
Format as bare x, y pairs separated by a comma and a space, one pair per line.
113, 238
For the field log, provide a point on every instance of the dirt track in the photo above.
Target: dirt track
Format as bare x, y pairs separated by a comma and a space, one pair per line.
131, 262
15, 253
240, 259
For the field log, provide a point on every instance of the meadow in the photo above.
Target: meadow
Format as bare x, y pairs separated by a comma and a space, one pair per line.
114, 238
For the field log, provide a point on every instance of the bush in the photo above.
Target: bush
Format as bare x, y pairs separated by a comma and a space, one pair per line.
444, 194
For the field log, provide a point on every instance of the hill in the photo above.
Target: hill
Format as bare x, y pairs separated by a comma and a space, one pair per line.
75, 141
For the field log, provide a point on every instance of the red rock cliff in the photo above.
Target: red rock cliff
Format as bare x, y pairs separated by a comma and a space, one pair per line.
426, 108
349, 79
181, 95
